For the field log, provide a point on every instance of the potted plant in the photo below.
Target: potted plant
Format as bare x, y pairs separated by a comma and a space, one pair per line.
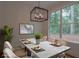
38, 36
7, 33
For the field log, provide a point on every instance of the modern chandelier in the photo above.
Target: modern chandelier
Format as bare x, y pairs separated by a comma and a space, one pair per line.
38, 14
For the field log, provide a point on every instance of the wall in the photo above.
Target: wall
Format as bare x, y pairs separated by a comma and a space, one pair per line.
1, 22
1, 13
74, 48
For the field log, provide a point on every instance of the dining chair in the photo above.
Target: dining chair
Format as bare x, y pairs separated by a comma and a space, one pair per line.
8, 53
20, 52
8, 45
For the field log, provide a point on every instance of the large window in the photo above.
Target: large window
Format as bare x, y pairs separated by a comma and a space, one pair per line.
70, 21
76, 18
67, 22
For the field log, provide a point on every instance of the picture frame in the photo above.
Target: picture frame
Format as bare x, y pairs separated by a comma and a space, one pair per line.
26, 28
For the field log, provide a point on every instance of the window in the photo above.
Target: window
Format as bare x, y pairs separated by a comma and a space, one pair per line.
54, 22
76, 18
67, 22
70, 21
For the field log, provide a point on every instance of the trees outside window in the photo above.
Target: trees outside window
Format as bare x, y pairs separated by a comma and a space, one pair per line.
54, 22
70, 20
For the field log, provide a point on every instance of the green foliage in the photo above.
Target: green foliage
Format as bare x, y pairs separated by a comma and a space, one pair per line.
54, 22
38, 35
7, 33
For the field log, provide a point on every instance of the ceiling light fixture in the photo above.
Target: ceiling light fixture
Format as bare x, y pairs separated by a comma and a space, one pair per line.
38, 14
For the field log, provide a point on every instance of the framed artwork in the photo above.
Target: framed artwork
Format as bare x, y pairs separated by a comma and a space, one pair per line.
26, 28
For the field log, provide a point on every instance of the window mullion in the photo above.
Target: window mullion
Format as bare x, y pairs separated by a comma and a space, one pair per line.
60, 34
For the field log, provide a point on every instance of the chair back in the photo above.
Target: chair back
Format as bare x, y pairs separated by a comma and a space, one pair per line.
7, 45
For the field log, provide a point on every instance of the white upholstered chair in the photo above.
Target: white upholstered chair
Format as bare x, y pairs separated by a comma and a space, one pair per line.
20, 53
8, 45
8, 53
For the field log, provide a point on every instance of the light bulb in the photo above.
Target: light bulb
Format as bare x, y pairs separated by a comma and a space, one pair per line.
36, 16
40, 15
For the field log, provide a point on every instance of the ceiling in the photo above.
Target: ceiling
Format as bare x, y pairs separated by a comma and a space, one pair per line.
43, 4
31, 4
46, 4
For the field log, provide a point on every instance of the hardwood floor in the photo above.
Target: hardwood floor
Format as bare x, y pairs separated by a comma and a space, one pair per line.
20, 52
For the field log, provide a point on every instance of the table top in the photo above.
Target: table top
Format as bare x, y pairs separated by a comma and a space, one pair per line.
49, 50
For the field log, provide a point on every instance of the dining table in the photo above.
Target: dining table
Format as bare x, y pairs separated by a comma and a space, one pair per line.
46, 49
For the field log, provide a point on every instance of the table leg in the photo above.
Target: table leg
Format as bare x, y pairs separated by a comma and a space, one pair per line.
62, 55
28, 51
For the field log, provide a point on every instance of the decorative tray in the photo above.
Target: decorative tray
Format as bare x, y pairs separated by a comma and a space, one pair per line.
57, 45
26, 41
38, 49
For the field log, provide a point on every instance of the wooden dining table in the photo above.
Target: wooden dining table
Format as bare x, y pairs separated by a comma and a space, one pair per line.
47, 50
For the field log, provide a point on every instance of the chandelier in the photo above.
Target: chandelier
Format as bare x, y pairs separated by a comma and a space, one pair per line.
38, 14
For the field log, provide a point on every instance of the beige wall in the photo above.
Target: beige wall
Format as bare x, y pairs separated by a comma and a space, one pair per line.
1, 13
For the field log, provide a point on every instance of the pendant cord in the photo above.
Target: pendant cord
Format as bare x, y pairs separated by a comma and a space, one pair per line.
38, 3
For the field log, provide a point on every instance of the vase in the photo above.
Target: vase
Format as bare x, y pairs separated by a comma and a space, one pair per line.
37, 41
